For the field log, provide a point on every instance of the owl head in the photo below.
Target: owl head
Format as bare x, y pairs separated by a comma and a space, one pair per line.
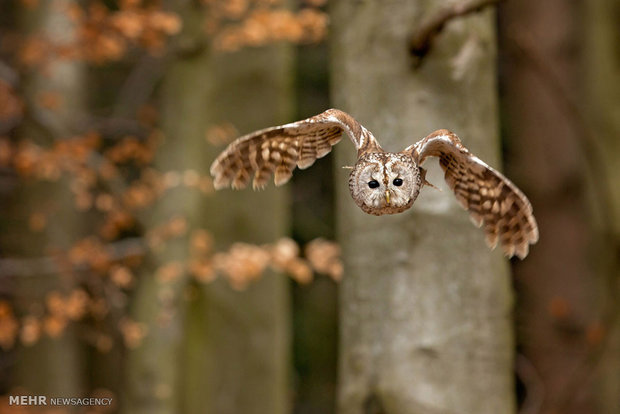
385, 182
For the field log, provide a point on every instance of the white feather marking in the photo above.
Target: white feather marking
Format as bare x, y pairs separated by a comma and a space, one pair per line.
479, 161
276, 156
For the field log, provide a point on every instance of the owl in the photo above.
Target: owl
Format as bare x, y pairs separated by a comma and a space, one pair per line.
384, 182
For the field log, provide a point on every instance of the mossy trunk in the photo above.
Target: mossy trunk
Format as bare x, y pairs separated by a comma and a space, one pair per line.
238, 355
221, 351
560, 134
425, 306
601, 65
154, 368
53, 366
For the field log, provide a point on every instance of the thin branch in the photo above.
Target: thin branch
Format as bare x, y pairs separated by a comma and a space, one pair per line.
139, 85
113, 127
48, 265
422, 39
8, 74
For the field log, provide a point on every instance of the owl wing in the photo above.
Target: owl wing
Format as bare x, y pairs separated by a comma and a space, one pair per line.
492, 200
280, 149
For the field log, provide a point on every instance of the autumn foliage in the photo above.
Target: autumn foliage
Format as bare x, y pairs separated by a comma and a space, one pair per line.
109, 178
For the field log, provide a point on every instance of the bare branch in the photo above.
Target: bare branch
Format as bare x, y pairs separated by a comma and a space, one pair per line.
422, 39
139, 85
111, 127
47, 265
8, 74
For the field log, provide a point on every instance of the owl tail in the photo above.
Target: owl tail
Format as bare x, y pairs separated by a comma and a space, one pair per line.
424, 181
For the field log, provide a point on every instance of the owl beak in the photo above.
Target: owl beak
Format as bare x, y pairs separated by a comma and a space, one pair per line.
387, 197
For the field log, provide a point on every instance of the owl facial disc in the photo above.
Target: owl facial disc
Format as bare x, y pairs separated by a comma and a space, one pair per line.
384, 183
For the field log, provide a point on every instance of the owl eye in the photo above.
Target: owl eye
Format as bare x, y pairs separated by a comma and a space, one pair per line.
373, 183
397, 182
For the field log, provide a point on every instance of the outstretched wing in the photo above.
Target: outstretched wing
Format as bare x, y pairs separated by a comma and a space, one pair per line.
492, 200
280, 149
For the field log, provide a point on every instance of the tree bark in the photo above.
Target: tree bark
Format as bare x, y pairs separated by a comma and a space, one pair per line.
153, 369
245, 335
425, 306
315, 327
238, 341
564, 288
602, 98
51, 366
228, 351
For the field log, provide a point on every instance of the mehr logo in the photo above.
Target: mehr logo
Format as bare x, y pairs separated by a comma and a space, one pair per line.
27, 400
58, 401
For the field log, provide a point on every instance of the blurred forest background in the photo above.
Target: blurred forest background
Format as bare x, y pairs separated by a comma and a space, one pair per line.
124, 275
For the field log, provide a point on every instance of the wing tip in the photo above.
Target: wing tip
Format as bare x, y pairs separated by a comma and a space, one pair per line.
238, 185
220, 182
475, 218
491, 240
520, 250
258, 186
215, 167
282, 175
302, 164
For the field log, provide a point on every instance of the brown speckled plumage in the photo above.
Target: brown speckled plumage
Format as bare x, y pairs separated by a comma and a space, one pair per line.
384, 182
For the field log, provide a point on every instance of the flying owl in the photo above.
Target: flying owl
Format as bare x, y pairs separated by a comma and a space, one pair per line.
384, 182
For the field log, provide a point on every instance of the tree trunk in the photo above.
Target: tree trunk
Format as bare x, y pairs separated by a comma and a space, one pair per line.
315, 304
51, 366
602, 98
228, 351
153, 368
564, 286
238, 341
425, 306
